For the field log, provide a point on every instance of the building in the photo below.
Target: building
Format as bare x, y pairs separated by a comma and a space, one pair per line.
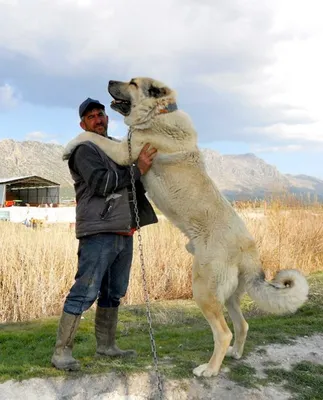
28, 190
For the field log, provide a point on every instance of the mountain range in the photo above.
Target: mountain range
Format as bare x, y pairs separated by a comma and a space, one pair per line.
238, 177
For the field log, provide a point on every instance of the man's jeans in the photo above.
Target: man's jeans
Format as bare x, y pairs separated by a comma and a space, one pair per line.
104, 262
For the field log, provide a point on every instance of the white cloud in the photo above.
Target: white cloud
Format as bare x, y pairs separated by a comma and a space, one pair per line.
37, 135
9, 98
266, 54
276, 149
129, 32
291, 82
53, 141
300, 132
40, 136
116, 129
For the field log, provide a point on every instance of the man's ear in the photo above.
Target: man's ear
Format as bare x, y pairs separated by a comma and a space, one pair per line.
157, 92
82, 125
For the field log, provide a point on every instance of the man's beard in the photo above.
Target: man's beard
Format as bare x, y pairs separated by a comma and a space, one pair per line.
101, 132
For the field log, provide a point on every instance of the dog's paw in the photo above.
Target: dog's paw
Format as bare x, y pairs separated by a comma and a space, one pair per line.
204, 370
69, 148
233, 353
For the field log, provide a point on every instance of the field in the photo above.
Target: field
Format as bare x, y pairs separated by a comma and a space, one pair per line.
37, 266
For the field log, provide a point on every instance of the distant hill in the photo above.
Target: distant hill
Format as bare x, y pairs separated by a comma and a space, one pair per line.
241, 176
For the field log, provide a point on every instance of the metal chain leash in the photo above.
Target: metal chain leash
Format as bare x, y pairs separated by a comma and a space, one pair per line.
143, 270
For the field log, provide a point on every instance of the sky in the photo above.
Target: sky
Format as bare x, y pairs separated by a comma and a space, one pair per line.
249, 72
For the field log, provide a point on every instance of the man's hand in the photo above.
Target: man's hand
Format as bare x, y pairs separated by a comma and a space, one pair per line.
145, 158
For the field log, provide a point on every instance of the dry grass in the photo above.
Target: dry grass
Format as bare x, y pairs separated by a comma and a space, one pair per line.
289, 239
37, 267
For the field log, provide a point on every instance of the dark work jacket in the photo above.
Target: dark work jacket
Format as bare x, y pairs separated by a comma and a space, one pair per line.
103, 192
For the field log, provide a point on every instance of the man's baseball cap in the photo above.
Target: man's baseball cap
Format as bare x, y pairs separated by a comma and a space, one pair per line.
89, 104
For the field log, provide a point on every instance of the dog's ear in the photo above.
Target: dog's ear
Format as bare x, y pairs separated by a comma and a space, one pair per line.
157, 92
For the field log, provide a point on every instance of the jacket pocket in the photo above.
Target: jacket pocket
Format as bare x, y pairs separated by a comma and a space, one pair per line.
106, 209
109, 204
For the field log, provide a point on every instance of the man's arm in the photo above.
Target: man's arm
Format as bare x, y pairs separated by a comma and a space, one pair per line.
86, 162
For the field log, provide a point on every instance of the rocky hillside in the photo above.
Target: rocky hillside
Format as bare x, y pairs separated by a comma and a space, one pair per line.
237, 176
244, 175
33, 158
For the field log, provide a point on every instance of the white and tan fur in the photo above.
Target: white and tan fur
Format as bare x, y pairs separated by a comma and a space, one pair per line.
226, 260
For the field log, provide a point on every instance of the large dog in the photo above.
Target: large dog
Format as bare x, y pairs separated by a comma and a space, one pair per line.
226, 260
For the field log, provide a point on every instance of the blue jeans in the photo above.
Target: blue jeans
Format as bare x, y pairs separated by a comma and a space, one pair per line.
104, 262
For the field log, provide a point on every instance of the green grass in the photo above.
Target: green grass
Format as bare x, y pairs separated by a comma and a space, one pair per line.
183, 339
305, 380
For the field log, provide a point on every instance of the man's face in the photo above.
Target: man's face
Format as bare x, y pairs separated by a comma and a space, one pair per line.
95, 121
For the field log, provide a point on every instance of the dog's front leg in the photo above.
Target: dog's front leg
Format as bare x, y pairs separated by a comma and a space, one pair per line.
117, 151
191, 157
170, 158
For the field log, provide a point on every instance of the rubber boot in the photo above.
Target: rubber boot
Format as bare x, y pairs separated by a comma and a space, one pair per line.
106, 320
62, 357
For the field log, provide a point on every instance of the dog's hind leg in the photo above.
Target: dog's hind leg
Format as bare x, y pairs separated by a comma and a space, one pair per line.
206, 299
239, 323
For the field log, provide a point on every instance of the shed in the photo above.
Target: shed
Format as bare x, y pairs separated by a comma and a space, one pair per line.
32, 189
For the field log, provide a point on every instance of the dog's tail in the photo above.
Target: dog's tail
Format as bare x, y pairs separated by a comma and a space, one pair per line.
284, 294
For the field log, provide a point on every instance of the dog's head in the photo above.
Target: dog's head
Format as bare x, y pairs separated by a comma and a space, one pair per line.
140, 99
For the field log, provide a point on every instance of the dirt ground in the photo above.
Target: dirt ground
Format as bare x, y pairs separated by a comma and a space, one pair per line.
143, 386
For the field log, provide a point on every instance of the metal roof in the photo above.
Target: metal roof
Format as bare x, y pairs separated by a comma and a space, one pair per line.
27, 181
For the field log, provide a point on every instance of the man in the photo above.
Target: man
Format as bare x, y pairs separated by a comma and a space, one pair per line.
105, 223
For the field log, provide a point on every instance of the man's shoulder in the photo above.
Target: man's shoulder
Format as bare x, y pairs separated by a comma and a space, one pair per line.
91, 152
84, 151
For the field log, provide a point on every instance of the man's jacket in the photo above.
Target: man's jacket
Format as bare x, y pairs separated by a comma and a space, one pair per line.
103, 192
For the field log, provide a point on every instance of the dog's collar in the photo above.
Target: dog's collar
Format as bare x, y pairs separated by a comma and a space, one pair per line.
169, 108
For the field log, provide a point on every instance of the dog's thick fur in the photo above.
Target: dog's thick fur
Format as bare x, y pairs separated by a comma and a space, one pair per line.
226, 260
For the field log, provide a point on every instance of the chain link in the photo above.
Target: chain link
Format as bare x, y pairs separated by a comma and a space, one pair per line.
143, 270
